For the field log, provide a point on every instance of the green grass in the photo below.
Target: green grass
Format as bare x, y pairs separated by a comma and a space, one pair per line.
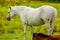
13, 30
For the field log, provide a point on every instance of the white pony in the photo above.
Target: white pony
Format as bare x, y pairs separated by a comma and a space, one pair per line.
35, 16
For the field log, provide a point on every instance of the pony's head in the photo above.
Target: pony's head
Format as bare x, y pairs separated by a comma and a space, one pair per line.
10, 13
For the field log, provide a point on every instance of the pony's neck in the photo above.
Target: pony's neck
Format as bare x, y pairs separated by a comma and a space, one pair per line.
18, 11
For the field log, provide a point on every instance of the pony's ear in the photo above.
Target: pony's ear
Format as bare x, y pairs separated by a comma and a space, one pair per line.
10, 7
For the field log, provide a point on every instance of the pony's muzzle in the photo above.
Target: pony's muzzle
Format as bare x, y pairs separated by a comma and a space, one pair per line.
8, 18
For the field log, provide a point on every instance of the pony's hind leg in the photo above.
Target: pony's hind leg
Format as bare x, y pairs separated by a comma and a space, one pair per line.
47, 23
48, 28
52, 24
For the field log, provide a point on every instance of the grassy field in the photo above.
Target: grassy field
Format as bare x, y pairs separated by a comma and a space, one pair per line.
13, 30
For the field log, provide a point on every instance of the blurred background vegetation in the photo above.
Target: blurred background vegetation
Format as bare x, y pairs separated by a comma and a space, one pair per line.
13, 30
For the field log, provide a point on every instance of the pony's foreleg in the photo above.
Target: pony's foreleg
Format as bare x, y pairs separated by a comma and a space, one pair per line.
31, 32
24, 32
